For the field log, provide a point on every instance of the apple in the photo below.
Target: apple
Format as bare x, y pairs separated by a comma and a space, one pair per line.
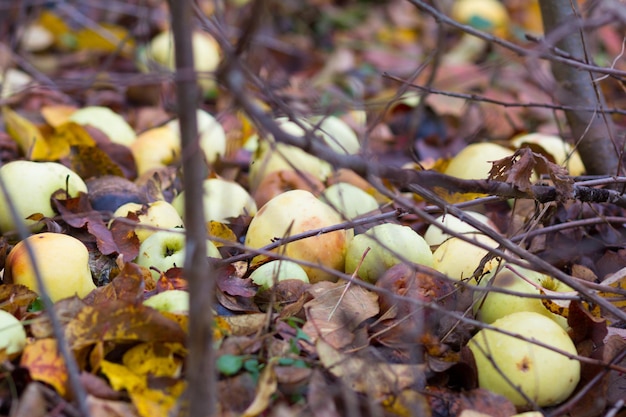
271, 156
474, 161
388, 244
349, 200
561, 151
13, 81
294, 212
507, 365
107, 121
223, 199
161, 146
337, 134
62, 261
30, 185
205, 50
165, 249
158, 214
492, 305
269, 273
434, 236
12, 333
459, 259
171, 301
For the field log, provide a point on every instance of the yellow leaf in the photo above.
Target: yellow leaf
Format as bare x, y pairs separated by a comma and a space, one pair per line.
155, 359
221, 231
148, 401
45, 364
63, 137
56, 115
106, 38
27, 136
55, 25
265, 390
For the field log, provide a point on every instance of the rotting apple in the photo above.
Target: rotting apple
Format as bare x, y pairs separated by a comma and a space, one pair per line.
266, 275
62, 261
561, 151
435, 236
223, 199
294, 212
459, 259
165, 249
171, 301
107, 121
12, 333
350, 201
30, 185
389, 244
492, 305
158, 214
510, 366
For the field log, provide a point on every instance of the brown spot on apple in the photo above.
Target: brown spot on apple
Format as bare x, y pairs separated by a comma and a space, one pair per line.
524, 364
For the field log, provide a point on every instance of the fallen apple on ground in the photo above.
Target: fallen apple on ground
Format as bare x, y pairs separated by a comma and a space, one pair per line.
350, 201
435, 236
474, 161
459, 259
295, 212
107, 121
158, 214
12, 333
62, 261
171, 301
561, 151
389, 244
223, 200
272, 272
492, 305
509, 366
30, 185
165, 249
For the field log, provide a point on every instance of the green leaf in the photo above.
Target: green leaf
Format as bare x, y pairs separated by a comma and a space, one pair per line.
229, 364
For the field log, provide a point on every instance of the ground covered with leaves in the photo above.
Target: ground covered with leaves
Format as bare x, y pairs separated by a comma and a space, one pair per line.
415, 93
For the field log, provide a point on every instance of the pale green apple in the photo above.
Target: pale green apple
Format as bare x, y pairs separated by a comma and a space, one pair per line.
492, 305
349, 200
223, 199
279, 270
30, 185
507, 365
165, 249
158, 214
337, 134
62, 261
171, 301
561, 151
12, 333
107, 121
294, 212
459, 259
474, 161
388, 245
435, 236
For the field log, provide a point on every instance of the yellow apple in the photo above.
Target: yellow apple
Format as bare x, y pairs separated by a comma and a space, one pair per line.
435, 236
269, 273
12, 333
222, 200
492, 305
30, 185
561, 151
62, 260
507, 365
387, 243
107, 121
165, 249
474, 161
337, 134
161, 146
459, 259
349, 200
294, 212
158, 214
487, 15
